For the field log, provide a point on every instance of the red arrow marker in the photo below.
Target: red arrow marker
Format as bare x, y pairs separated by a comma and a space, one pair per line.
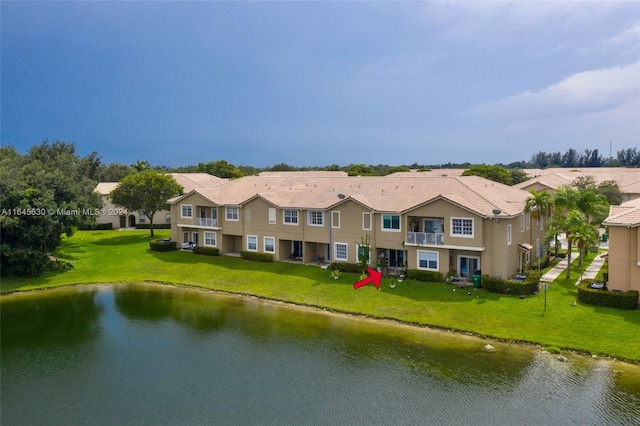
374, 277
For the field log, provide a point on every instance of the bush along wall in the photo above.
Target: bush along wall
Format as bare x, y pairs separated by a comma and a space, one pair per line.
426, 276
207, 251
609, 299
258, 257
158, 226
517, 288
355, 268
160, 245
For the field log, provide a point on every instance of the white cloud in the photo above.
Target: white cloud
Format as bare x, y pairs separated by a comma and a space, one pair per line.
586, 92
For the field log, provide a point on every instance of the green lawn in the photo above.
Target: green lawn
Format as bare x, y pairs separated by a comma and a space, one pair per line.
112, 256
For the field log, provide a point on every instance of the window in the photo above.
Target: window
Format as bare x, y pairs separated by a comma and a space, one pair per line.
186, 211
428, 260
233, 213
527, 219
366, 221
508, 234
390, 222
290, 217
210, 239
252, 243
341, 250
527, 257
143, 218
315, 218
522, 223
167, 218
461, 227
247, 215
269, 244
335, 219
363, 250
272, 215
541, 225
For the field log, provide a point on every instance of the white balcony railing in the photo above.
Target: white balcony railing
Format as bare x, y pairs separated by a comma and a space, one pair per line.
425, 239
207, 221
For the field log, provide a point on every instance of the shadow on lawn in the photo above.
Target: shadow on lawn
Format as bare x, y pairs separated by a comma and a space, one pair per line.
439, 292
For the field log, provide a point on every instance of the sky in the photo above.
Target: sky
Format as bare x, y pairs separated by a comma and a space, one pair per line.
319, 83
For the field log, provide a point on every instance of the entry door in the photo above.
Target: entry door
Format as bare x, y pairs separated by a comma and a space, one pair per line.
297, 248
195, 238
468, 265
185, 237
396, 258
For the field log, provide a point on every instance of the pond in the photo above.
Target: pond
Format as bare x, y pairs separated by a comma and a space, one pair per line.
151, 354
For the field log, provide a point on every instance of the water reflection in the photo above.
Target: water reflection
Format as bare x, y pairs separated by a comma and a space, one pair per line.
152, 354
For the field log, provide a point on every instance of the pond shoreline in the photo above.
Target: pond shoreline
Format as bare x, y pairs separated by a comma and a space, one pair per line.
350, 314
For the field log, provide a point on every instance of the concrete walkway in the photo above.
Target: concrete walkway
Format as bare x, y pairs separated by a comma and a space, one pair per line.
561, 267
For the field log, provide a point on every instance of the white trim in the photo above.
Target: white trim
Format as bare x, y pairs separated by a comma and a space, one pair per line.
182, 215
334, 215
335, 251
383, 229
264, 241
256, 238
227, 210
215, 239
527, 220
509, 234
312, 213
462, 235
272, 215
522, 223
297, 217
364, 214
428, 252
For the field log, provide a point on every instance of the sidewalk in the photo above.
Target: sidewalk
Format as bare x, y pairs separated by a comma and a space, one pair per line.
561, 267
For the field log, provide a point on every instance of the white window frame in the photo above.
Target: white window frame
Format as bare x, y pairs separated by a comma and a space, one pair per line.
273, 244
272, 215
358, 254
367, 215
509, 235
209, 235
335, 219
527, 219
230, 212
461, 234
167, 218
292, 219
391, 229
142, 218
249, 238
346, 251
313, 216
428, 252
522, 223
182, 211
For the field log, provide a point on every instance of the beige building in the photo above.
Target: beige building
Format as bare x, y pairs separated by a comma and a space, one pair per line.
119, 217
624, 246
438, 223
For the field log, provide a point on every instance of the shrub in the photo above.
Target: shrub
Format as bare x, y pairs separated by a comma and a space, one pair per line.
207, 251
518, 288
544, 262
427, 276
155, 226
160, 245
258, 257
96, 226
609, 299
355, 268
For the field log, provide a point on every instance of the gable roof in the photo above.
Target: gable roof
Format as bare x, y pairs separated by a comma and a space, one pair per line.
188, 181
626, 214
628, 179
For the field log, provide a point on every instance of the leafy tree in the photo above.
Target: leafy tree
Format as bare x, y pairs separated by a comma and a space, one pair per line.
518, 176
364, 253
359, 170
43, 194
539, 205
629, 157
610, 190
221, 169
146, 192
113, 172
583, 236
494, 173
282, 167
571, 224
584, 182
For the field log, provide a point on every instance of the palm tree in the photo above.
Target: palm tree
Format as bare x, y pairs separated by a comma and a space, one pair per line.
593, 205
571, 223
584, 236
539, 206
141, 165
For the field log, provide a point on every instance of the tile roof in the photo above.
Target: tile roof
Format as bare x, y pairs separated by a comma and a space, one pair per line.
626, 214
628, 178
105, 188
383, 194
189, 182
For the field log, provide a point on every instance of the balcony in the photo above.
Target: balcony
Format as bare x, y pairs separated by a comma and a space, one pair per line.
207, 222
425, 239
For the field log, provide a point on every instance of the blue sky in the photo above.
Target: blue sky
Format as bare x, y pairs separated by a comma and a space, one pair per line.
259, 83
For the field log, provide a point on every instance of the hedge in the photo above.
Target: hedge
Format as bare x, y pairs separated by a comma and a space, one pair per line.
158, 245
207, 251
258, 257
610, 299
95, 226
518, 288
355, 268
155, 226
427, 276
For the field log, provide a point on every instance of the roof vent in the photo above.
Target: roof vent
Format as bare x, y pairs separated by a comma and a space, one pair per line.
496, 211
341, 196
